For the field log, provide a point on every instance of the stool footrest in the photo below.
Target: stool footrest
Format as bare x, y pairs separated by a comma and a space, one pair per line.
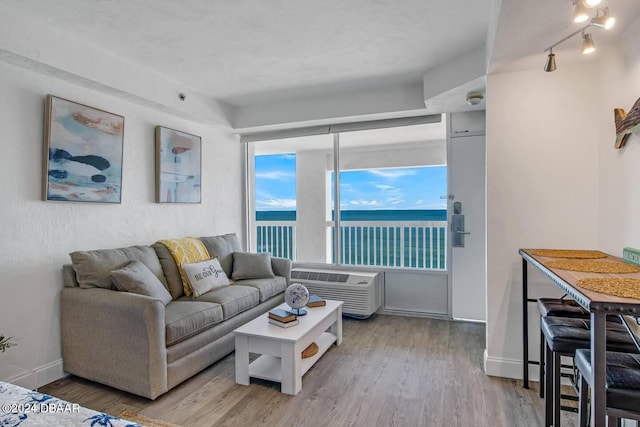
569, 397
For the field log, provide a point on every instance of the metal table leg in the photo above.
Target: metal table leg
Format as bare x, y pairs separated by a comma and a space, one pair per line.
525, 326
598, 369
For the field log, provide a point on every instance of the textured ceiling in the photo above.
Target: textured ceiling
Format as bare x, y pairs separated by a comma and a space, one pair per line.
249, 52
243, 50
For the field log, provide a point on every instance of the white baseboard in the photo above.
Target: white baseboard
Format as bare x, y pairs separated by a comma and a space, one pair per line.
39, 376
501, 367
512, 368
507, 368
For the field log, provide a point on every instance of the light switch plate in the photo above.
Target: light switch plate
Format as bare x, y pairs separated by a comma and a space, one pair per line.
631, 256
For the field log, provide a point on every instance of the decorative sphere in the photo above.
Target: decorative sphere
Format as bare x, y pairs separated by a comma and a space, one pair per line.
296, 295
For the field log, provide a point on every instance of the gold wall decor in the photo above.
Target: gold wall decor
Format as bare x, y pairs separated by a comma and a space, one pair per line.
626, 124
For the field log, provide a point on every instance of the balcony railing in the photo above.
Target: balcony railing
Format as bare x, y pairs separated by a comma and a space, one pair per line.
408, 244
277, 237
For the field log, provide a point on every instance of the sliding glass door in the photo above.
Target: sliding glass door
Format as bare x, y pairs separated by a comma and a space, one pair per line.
392, 210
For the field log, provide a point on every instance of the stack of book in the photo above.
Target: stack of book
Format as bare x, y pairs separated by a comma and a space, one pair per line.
282, 318
316, 301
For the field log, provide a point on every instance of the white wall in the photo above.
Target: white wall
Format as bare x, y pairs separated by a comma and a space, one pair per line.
542, 189
619, 223
36, 236
554, 179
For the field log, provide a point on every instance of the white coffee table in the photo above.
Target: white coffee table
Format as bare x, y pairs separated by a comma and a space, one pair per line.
281, 348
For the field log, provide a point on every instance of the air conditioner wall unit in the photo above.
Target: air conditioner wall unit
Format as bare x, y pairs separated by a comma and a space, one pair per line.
360, 291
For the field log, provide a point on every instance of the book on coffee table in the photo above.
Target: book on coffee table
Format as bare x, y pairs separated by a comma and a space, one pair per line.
282, 315
284, 324
316, 301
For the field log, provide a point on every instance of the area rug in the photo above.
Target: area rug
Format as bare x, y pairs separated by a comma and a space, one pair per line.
144, 420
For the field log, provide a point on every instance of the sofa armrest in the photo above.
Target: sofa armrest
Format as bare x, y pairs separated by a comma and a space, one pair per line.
115, 338
281, 267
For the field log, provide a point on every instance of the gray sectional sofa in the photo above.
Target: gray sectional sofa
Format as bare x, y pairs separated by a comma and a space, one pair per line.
137, 343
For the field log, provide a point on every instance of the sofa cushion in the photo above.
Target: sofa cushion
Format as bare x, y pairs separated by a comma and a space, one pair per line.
174, 281
136, 278
205, 276
252, 266
234, 299
184, 319
223, 248
93, 268
267, 287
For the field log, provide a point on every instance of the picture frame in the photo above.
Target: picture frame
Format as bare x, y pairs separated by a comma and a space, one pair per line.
82, 155
178, 166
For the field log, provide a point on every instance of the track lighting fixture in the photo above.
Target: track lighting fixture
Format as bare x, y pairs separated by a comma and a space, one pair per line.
603, 19
587, 44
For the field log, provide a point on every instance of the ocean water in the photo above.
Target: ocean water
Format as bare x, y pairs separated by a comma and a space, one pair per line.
365, 215
409, 245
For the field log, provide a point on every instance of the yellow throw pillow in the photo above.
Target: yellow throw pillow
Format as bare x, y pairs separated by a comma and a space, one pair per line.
186, 251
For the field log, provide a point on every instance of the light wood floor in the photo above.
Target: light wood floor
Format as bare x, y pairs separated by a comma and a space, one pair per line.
389, 371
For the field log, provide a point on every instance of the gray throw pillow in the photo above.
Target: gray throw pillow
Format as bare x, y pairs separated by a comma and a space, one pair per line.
136, 278
252, 266
93, 268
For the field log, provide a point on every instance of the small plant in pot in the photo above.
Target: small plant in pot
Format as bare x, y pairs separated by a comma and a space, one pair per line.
5, 343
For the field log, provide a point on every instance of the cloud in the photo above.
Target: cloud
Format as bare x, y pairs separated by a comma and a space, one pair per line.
275, 175
384, 187
345, 186
363, 202
277, 203
392, 173
395, 200
419, 202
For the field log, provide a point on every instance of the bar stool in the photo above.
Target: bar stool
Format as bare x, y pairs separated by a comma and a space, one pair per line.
556, 307
563, 336
560, 307
622, 383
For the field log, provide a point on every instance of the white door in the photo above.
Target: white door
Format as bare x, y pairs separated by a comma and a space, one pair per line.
468, 263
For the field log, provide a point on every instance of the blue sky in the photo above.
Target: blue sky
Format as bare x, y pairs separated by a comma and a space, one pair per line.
400, 188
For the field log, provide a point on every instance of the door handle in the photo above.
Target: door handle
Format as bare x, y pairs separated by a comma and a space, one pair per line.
462, 232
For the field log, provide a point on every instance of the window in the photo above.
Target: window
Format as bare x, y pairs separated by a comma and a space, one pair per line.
394, 217
392, 193
275, 204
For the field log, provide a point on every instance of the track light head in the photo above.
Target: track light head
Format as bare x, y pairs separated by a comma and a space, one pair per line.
550, 65
592, 3
606, 20
580, 12
587, 44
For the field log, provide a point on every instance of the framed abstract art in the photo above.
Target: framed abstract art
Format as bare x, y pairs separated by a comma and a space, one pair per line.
178, 166
82, 153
